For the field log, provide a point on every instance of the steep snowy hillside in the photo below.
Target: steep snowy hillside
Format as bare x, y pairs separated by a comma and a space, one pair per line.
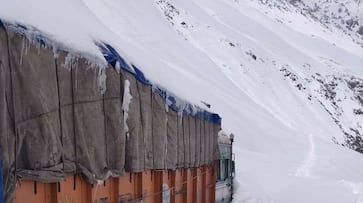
344, 16
285, 76
339, 92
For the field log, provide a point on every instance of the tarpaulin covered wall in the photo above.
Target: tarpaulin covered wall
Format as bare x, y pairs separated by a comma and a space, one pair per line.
115, 139
56, 120
35, 103
172, 140
7, 129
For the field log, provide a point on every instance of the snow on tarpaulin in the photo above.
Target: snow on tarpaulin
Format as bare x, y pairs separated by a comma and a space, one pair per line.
40, 38
31, 33
113, 58
118, 62
172, 101
140, 76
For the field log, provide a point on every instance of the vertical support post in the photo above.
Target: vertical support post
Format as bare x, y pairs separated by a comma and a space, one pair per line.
158, 182
204, 184
172, 185
213, 182
195, 183
189, 172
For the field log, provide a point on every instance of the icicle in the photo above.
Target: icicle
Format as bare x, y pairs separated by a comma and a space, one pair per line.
25, 47
118, 67
68, 61
102, 78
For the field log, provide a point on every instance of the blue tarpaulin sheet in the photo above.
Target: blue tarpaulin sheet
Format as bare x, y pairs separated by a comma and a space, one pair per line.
114, 58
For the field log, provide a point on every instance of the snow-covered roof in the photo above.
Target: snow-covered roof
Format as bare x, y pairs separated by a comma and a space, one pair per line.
118, 62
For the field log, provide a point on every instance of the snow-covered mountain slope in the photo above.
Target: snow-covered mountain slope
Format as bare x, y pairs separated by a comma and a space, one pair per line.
288, 84
345, 16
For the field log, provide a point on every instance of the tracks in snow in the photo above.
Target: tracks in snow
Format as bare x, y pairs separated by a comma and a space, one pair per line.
305, 168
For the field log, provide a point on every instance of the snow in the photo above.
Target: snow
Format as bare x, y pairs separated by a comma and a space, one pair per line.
223, 138
126, 106
284, 143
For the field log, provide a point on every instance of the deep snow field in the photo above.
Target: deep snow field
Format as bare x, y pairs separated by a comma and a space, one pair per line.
286, 84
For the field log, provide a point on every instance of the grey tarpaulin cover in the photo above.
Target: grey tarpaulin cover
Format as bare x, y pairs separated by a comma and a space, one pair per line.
146, 122
55, 120
36, 115
172, 137
186, 141
202, 143
115, 139
206, 142
192, 141
210, 143
216, 152
134, 136
197, 144
66, 114
7, 129
89, 125
159, 131
180, 143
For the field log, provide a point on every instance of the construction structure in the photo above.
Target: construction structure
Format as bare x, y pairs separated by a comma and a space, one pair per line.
73, 132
